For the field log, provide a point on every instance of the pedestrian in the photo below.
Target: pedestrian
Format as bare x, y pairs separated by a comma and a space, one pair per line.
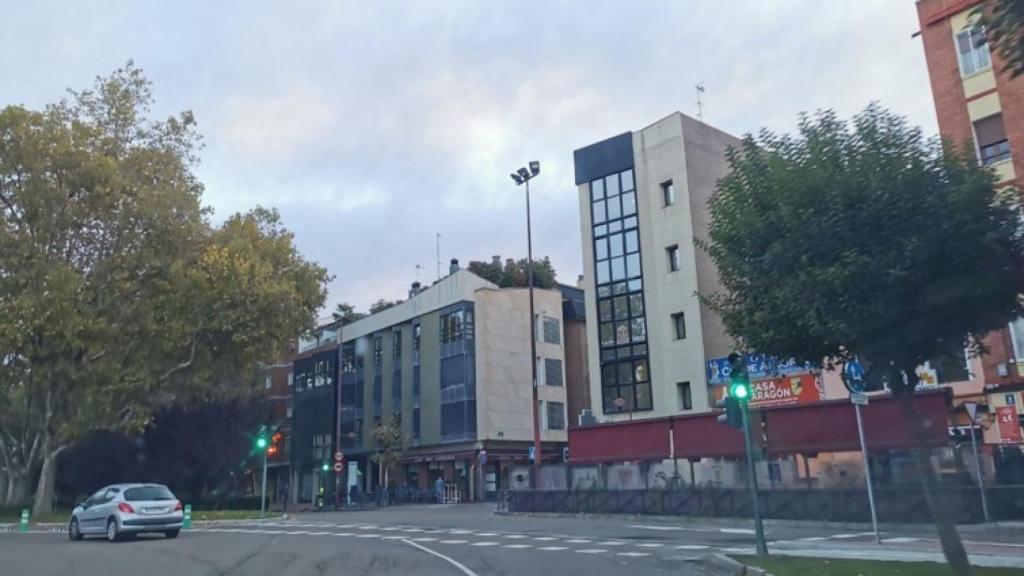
439, 489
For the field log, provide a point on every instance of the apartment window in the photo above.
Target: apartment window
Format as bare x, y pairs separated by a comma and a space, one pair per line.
348, 361
990, 134
266, 382
378, 350
556, 415
673, 257
629, 381
1017, 335
288, 410
552, 372
396, 345
291, 379
668, 193
972, 51
679, 323
552, 335
685, 396
452, 327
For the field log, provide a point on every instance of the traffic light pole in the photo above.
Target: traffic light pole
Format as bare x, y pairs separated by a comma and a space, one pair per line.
263, 490
762, 547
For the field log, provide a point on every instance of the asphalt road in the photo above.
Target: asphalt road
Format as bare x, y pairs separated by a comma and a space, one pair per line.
463, 540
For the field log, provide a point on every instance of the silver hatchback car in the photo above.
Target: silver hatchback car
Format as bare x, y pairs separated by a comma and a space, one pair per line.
121, 511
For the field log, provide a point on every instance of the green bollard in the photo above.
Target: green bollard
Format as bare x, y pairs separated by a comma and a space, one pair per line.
187, 522
24, 520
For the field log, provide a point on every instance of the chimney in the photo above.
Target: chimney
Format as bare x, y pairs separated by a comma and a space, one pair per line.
579, 282
453, 267
414, 290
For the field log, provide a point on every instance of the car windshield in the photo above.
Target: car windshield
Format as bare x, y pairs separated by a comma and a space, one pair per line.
148, 493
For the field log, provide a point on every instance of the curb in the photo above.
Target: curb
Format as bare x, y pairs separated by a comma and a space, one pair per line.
731, 567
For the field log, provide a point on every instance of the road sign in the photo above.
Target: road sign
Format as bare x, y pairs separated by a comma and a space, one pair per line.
24, 520
854, 376
972, 410
338, 466
859, 398
533, 454
338, 456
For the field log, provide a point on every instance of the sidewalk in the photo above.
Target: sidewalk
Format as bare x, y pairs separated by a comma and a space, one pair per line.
875, 552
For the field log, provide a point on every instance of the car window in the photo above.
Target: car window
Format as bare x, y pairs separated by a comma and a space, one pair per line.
96, 498
148, 493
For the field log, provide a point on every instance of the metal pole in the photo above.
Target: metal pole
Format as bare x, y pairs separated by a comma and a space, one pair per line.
337, 410
977, 466
867, 474
263, 491
533, 345
762, 547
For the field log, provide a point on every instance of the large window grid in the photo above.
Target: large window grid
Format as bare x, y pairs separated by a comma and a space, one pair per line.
972, 51
622, 325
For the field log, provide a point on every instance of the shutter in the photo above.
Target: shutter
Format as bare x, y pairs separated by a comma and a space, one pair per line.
990, 130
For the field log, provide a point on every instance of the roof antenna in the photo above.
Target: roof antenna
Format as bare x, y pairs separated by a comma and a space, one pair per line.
700, 102
439, 256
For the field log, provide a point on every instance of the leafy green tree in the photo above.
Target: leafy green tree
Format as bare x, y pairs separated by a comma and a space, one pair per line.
1004, 30
515, 274
866, 238
389, 441
382, 304
118, 296
347, 313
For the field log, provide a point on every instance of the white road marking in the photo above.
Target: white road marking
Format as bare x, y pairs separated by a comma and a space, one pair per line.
393, 537
814, 539
516, 536
486, 544
591, 551
487, 534
858, 535
518, 546
460, 532
634, 554
451, 561
424, 539
578, 541
612, 543
545, 538
368, 536
735, 530
452, 541
552, 548
989, 543
650, 545
342, 533
900, 540
692, 547
412, 530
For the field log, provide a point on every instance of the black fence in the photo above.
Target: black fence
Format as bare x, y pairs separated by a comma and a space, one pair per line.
894, 505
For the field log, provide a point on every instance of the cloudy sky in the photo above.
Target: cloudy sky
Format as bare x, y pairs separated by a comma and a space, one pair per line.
374, 125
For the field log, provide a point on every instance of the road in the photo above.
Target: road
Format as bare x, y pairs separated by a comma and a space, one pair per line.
456, 540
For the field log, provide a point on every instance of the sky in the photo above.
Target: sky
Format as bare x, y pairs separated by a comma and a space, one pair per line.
373, 126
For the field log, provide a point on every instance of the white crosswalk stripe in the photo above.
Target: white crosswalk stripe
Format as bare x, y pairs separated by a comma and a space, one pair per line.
634, 554
591, 550
486, 543
518, 546
552, 548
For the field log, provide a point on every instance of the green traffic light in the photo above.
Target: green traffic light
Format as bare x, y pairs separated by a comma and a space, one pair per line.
740, 391
261, 442
325, 467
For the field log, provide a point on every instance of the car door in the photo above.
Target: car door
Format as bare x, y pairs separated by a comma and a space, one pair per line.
87, 518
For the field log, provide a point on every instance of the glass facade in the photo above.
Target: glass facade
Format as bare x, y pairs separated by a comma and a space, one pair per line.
622, 325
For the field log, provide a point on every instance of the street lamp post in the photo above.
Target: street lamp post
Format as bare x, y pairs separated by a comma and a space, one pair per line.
523, 177
972, 410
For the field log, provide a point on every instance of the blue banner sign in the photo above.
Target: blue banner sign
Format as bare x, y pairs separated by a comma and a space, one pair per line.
759, 366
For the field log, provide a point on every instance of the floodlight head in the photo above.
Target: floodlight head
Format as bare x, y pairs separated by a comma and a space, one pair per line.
523, 174
516, 178
534, 167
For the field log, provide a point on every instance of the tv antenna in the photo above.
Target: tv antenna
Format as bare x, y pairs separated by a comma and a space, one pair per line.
700, 101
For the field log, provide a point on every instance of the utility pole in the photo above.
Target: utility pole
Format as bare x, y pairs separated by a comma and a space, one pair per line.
762, 546
972, 412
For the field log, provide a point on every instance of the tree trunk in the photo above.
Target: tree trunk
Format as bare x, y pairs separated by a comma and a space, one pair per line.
952, 546
17, 488
43, 503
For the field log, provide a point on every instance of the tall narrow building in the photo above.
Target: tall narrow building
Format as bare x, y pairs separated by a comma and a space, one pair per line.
643, 203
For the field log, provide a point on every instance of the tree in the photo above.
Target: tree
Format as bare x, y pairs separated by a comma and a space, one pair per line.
118, 295
382, 304
390, 443
347, 313
515, 274
865, 238
1004, 30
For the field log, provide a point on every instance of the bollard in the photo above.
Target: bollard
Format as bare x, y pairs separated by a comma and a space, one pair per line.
187, 522
24, 520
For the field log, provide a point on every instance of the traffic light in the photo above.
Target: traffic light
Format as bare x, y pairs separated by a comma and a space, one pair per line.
261, 438
739, 387
325, 467
733, 415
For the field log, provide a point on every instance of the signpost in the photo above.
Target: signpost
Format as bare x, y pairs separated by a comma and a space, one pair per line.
23, 526
853, 378
972, 412
187, 522
338, 466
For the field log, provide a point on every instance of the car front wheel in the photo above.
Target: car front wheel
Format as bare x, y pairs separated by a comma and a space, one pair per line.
74, 532
171, 533
112, 533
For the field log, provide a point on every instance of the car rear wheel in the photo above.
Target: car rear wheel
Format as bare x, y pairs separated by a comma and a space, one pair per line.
74, 532
171, 533
112, 533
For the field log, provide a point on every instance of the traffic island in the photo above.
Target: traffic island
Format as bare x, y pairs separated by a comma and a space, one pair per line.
798, 566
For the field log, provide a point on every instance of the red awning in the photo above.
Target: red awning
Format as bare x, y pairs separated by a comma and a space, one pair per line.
832, 426
829, 426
